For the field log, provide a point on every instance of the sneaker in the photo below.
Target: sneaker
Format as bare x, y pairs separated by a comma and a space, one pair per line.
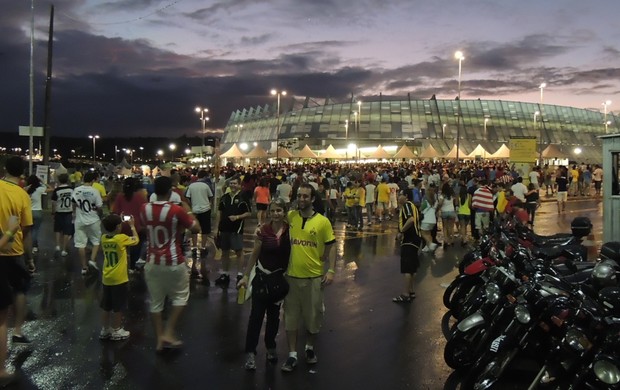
432, 246
105, 333
272, 356
35, 249
426, 249
93, 265
369, 223
119, 334
311, 356
20, 340
57, 249
239, 277
290, 364
223, 281
140, 262
64, 253
250, 362
84, 271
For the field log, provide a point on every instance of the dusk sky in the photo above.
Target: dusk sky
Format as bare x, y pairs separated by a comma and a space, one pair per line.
139, 67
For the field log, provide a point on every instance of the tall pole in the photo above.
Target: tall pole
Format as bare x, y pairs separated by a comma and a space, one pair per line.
359, 117
203, 119
346, 137
542, 87
486, 120
48, 91
94, 138
278, 93
459, 56
30, 140
605, 104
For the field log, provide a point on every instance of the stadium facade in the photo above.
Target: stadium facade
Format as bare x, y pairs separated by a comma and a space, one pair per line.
399, 120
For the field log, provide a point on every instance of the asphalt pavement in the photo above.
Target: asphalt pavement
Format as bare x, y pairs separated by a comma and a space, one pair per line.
367, 341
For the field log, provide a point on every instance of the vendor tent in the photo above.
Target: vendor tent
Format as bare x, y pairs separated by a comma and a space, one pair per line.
478, 152
330, 152
124, 164
305, 153
404, 152
233, 152
452, 153
380, 153
284, 153
502, 152
430, 152
257, 152
553, 151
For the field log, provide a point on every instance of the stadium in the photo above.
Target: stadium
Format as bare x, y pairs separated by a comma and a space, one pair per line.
393, 121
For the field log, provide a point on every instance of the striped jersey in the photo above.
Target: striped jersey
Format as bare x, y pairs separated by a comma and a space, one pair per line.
411, 236
483, 200
165, 224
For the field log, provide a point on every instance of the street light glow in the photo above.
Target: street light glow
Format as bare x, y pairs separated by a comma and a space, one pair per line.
459, 55
577, 150
243, 146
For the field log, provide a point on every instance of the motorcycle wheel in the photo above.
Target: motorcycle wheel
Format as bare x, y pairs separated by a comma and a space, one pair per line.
493, 370
461, 295
447, 295
459, 351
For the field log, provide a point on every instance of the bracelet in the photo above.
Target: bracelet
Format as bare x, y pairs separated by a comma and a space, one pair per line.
331, 271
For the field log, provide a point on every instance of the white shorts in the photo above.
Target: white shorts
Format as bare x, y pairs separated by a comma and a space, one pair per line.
562, 196
85, 233
482, 220
163, 281
393, 204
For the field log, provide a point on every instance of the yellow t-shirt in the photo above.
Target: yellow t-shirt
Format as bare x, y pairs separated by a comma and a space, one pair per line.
99, 187
308, 241
14, 201
115, 258
383, 193
348, 196
361, 196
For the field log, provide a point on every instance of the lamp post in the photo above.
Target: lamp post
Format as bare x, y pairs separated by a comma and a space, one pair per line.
172, 148
160, 154
486, 120
277, 93
459, 56
443, 131
203, 119
94, 138
359, 117
605, 104
142, 154
542, 88
346, 135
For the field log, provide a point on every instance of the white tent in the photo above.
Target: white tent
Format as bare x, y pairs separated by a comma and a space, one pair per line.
502, 152
430, 152
380, 153
257, 152
405, 152
452, 153
330, 153
305, 153
233, 152
478, 151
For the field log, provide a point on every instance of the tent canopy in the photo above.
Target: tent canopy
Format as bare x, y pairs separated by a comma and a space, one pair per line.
305, 153
404, 152
380, 153
233, 152
330, 153
478, 151
502, 152
430, 152
553, 151
283, 153
452, 153
257, 152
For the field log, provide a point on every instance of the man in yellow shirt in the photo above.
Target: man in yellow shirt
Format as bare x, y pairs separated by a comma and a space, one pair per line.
360, 200
99, 187
14, 279
312, 237
383, 198
349, 204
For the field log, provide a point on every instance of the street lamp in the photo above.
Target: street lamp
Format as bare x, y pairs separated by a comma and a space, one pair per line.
443, 131
172, 148
94, 138
486, 120
142, 154
459, 56
605, 104
277, 93
542, 124
359, 117
203, 119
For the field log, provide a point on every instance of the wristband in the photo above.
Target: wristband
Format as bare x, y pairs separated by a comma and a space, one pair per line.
331, 271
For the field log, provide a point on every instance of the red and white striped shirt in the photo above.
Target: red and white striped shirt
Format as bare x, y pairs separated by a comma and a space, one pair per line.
483, 200
165, 223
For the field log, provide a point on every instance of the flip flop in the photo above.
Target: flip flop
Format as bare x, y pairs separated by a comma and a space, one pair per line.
172, 344
401, 299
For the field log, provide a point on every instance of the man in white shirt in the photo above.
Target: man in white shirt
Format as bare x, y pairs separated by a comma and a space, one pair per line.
283, 191
199, 196
597, 178
370, 201
87, 205
535, 178
519, 189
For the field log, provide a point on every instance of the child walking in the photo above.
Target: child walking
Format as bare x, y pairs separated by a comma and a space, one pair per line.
115, 276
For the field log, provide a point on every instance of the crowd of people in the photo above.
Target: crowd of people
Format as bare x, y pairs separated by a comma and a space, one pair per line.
158, 224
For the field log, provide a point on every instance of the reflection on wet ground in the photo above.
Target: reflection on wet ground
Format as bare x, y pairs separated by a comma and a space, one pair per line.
367, 341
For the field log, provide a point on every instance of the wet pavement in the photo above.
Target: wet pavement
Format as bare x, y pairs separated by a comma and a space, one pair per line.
367, 341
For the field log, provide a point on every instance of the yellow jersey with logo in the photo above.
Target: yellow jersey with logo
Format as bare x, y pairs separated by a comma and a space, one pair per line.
383, 193
14, 201
309, 236
115, 258
349, 200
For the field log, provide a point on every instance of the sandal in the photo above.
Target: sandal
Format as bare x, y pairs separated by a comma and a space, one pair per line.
401, 299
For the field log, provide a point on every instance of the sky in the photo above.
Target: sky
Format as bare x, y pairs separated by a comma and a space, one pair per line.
140, 67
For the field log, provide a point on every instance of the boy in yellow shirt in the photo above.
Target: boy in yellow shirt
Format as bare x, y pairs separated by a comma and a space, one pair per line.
115, 276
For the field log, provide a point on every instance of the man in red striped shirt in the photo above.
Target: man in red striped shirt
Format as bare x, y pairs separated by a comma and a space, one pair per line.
482, 202
165, 272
